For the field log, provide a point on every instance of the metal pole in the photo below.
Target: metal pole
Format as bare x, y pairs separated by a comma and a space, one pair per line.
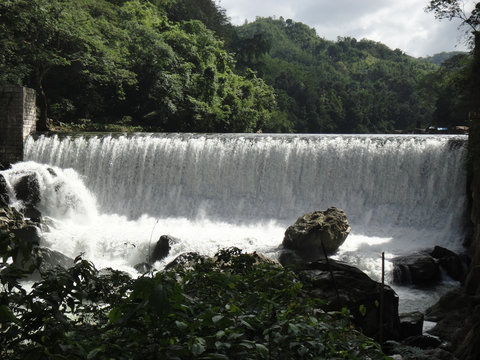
381, 298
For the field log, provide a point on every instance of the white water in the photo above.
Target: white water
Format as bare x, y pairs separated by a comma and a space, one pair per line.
400, 193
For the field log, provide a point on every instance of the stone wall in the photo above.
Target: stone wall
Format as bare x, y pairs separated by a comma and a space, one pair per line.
17, 121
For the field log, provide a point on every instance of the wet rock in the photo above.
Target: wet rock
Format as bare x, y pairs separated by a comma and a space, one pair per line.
143, 267
402, 351
342, 285
417, 269
411, 324
450, 262
315, 231
162, 248
422, 341
291, 259
4, 197
27, 189
33, 214
186, 260
27, 233
42, 260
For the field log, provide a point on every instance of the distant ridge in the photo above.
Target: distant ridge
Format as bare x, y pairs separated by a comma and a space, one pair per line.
439, 58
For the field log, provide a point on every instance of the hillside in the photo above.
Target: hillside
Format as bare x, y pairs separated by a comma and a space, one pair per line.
180, 65
347, 86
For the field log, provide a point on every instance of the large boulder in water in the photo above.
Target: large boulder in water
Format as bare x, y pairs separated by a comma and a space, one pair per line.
342, 285
317, 230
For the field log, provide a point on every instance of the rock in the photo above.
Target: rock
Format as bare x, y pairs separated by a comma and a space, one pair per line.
143, 267
411, 324
458, 316
43, 260
315, 231
186, 260
450, 262
50, 259
162, 248
356, 291
259, 258
27, 189
472, 283
28, 233
4, 197
291, 259
422, 341
33, 214
417, 269
408, 352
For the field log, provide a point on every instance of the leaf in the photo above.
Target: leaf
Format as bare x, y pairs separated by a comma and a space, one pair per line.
6, 314
262, 350
115, 314
199, 346
249, 327
217, 318
92, 354
362, 309
181, 325
293, 328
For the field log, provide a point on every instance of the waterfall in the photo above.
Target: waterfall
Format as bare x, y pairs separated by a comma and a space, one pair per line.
403, 181
400, 193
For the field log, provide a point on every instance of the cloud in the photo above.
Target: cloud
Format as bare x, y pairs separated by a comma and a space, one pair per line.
398, 24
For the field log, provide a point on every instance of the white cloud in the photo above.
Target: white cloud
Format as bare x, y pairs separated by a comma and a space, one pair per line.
398, 24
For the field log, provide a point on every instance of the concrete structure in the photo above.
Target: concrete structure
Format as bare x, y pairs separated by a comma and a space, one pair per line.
17, 121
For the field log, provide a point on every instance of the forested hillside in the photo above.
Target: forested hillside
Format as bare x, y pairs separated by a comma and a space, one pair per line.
125, 62
344, 86
180, 65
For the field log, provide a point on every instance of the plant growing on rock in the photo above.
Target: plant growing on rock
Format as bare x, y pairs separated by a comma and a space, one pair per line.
227, 307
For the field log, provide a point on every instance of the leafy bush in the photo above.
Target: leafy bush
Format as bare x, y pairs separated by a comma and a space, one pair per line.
227, 307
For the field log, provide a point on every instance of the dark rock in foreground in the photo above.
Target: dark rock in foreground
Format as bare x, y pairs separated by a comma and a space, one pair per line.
450, 262
317, 231
342, 285
411, 324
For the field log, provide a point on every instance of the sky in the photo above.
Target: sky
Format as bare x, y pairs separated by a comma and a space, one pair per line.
401, 24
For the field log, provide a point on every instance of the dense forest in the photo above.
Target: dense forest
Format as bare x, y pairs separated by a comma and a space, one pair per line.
180, 65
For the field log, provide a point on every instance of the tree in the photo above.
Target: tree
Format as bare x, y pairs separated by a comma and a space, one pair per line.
451, 9
454, 9
43, 35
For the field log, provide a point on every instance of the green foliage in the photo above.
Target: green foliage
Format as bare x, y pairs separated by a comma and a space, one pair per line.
107, 60
345, 86
439, 58
228, 307
179, 65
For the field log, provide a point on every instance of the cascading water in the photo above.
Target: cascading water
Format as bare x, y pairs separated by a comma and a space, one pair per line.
400, 193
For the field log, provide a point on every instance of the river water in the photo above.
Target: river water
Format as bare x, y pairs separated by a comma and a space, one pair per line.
110, 197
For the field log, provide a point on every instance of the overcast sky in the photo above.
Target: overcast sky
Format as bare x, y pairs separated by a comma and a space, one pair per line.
399, 24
